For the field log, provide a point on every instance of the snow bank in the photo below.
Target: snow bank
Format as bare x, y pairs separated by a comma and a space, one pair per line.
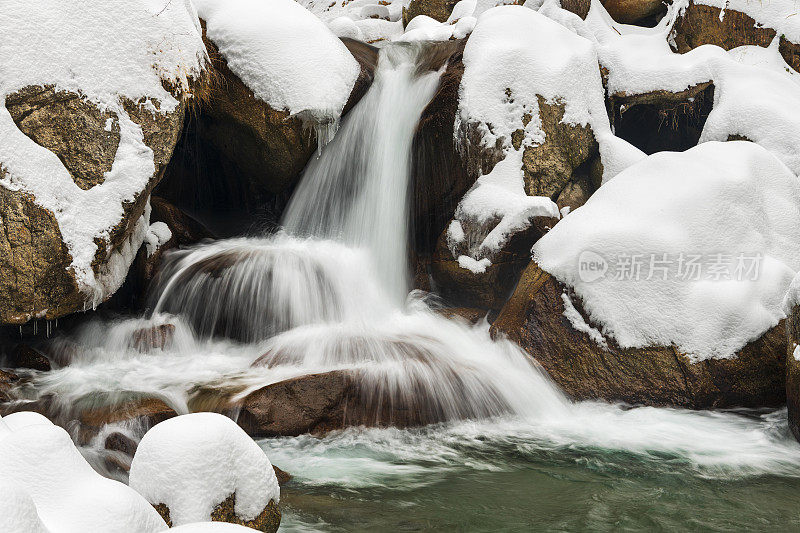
730, 209
192, 463
55, 489
103, 51
284, 54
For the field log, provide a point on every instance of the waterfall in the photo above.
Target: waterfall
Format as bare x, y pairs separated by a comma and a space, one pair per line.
358, 190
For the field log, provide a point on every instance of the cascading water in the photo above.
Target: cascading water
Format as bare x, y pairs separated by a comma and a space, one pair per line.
357, 192
329, 293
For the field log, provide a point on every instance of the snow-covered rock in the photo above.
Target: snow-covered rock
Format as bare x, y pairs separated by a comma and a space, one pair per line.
53, 488
792, 308
726, 202
284, 54
86, 127
202, 467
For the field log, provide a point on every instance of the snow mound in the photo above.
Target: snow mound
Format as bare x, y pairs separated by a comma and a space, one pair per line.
698, 249
284, 54
51, 479
103, 51
22, 419
192, 463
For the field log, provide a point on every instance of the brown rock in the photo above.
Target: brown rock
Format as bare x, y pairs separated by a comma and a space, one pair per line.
237, 152
153, 338
367, 57
146, 412
439, 173
320, 403
23, 356
533, 318
579, 7
437, 9
7, 380
268, 520
283, 476
793, 372
120, 442
700, 24
469, 315
632, 11
35, 279
491, 289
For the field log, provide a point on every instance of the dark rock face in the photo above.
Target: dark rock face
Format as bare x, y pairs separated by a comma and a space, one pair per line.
700, 24
237, 153
534, 319
491, 289
439, 174
320, 403
34, 277
23, 356
662, 120
793, 372
267, 521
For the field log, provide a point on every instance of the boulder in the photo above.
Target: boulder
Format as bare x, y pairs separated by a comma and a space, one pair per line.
436, 9
144, 412
320, 403
700, 24
153, 338
239, 153
23, 356
633, 11
439, 175
36, 278
793, 371
487, 290
660, 375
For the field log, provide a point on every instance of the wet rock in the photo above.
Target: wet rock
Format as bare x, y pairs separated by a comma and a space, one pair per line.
153, 338
700, 24
579, 7
268, 520
142, 412
469, 315
793, 371
436, 9
23, 356
35, 278
367, 57
120, 442
7, 380
439, 174
283, 476
320, 403
238, 153
633, 11
657, 375
490, 289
